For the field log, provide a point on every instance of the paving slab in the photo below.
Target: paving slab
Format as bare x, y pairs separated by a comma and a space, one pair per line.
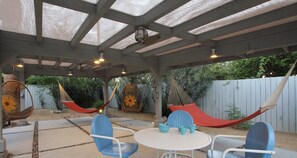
80, 151
58, 138
87, 128
18, 129
82, 120
50, 124
117, 119
19, 143
135, 124
23, 156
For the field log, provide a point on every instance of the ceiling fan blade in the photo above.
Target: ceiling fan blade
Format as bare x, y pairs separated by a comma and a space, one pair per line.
151, 39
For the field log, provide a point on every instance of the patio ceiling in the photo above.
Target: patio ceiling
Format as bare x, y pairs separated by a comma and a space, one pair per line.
54, 36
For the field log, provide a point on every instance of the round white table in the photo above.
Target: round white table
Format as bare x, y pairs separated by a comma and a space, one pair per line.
173, 140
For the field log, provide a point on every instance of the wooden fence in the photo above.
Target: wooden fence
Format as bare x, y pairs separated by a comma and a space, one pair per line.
41, 98
248, 95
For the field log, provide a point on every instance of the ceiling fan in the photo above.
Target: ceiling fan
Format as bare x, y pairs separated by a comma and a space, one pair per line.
142, 37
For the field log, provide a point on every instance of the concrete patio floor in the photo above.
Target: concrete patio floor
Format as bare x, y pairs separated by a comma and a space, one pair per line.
69, 138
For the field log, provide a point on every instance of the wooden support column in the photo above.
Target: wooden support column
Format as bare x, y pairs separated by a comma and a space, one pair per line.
158, 98
158, 70
3, 151
21, 77
105, 94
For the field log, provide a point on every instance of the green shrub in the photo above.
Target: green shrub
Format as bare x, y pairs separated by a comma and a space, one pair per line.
98, 103
234, 113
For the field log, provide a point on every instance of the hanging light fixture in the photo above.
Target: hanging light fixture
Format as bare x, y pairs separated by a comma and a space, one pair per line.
96, 61
124, 71
70, 73
213, 54
140, 34
20, 64
101, 59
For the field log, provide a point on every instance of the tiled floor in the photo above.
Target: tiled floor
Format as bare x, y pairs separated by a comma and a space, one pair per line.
69, 138
65, 138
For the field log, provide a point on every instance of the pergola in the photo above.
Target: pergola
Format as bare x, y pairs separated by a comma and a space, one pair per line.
53, 37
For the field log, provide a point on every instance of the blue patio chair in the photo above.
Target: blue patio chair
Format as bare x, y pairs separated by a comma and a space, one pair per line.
259, 144
180, 118
102, 132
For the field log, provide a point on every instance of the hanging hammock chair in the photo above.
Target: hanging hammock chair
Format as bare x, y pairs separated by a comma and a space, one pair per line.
131, 99
13, 93
67, 101
202, 119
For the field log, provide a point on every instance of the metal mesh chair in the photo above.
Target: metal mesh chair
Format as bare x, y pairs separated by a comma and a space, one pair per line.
259, 143
102, 132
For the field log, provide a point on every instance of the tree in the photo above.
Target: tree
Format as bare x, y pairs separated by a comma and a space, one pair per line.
268, 66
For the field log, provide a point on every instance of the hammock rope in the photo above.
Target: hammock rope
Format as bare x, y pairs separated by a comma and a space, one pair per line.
203, 119
67, 101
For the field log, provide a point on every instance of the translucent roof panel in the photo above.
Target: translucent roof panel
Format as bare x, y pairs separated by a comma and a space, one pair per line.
159, 44
17, 16
92, 1
60, 23
178, 49
103, 30
48, 62
30, 61
190, 10
260, 27
135, 7
248, 13
129, 40
65, 64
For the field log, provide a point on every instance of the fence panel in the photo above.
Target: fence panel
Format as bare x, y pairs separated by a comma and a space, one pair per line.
41, 98
248, 95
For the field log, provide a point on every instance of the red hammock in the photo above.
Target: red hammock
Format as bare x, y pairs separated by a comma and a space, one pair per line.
67, 101
202, 119
71, 105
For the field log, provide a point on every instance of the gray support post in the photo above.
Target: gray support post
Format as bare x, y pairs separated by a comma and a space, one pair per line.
106, 95
158, 98
21, 78
3, 151
158, 70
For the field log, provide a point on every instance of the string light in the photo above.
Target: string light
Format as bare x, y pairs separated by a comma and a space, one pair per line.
124, 71
213, 54
20, 64
70, 73
101, 59
96, 61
